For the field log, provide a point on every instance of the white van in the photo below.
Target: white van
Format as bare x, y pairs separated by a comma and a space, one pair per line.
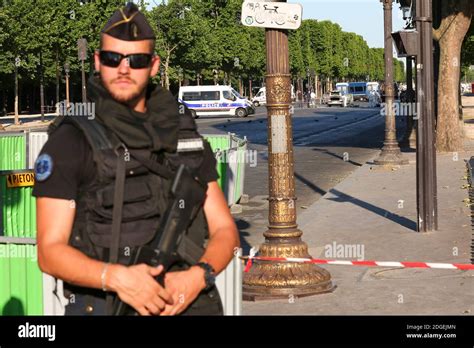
215, 101
261, 97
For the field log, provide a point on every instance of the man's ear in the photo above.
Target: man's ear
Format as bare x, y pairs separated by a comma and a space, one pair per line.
96, 60
155, 66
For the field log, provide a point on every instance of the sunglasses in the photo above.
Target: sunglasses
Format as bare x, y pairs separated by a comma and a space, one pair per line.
136, 60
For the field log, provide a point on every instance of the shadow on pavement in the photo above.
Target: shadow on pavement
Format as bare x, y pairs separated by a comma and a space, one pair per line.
310, 184
242, 225
342, 197
337, 156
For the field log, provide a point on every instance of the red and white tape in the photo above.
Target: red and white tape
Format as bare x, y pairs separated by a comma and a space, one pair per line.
460, 266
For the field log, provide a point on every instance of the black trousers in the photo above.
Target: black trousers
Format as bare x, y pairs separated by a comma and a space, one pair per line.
84, 301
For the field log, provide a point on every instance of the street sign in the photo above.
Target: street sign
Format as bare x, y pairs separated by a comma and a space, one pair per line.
406, 43
26, 178
277, 15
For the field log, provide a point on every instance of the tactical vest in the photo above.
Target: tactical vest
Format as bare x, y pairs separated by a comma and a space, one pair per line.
145, 195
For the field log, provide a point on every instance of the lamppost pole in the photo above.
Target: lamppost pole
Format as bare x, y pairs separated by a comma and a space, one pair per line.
82, 50
409, 138
17, 113
283, 238
390, 154
216, 76
180, 76
41, 85
250, 88
426, 152
66, 70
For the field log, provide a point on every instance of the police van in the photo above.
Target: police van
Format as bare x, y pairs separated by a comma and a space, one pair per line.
215, 101
363, 90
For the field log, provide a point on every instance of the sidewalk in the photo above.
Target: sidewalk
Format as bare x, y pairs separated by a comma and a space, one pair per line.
375, 209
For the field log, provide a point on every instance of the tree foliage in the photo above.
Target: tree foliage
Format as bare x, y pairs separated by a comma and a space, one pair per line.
194, 37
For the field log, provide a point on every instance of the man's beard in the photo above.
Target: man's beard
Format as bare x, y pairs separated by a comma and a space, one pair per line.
126, 99
129, 98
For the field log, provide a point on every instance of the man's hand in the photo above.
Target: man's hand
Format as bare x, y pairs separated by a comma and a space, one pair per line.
184, 286
136, 286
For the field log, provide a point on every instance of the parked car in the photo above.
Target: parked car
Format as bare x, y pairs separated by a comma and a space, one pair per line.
339, 98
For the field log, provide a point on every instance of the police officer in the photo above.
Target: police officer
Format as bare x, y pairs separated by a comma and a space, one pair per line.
100, 192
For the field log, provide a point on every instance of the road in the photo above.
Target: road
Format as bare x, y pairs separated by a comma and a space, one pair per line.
329, 144
7, 120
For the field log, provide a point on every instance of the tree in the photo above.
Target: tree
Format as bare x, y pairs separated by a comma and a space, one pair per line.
399, 71
50, 28
177, 30
456, 20
376, 64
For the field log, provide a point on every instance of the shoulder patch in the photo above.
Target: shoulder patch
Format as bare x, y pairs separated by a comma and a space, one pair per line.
195, 144
43, 167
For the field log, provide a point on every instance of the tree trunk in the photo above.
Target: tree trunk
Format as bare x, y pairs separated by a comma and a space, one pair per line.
316, 86
167, 68
456, 19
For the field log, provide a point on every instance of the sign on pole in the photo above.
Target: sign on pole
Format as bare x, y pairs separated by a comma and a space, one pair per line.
21, 179
277, 15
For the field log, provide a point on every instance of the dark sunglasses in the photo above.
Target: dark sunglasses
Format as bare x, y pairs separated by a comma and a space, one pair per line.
136, 60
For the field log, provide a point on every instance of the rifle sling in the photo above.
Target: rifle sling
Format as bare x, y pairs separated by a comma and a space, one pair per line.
116, 217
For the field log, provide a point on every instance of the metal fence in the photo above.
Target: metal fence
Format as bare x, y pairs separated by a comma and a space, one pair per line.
229, 285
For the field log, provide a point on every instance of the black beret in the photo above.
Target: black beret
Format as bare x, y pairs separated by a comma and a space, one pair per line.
129, 24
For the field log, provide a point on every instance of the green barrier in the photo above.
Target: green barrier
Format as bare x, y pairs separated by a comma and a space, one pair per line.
21, 284
18, 210
220, 143
12, 151
231, 175
20, 277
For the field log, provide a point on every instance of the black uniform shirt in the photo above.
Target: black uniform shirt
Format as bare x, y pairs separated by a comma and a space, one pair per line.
71, 164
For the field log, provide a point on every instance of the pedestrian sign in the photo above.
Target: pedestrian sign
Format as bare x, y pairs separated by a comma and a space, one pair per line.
22, 179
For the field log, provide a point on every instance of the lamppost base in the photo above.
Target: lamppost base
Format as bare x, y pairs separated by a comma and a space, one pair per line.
278, 280
390, 155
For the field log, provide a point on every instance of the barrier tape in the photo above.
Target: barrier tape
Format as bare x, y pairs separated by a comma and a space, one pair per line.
460, 266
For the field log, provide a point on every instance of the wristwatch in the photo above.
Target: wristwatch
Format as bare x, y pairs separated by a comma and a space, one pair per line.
209, 274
